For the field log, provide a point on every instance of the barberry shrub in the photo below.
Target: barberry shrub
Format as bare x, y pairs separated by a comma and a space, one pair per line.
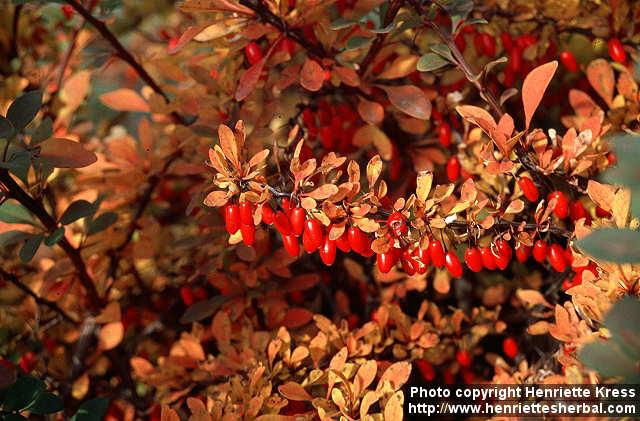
290, 209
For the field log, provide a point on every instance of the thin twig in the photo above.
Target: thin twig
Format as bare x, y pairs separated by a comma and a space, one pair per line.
262, 10
13, 51
9, 277
124, 54
392, 11
36, 207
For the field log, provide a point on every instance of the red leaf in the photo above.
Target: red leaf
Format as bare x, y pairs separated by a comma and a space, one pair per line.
409, 99
534, 86
249, 79
312, 75
65, 153
297, 317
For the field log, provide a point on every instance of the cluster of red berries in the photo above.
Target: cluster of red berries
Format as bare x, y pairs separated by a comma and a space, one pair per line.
190, 295
293, 222
333, 125
575, 210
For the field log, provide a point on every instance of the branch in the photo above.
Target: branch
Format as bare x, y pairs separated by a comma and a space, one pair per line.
13, 51
16, 192
392, 11
9, 277
268, 16
124, 54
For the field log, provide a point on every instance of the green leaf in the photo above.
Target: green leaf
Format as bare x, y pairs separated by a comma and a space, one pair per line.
102, 222
442, 50
357, 42
458, 10
620, 355
18, 164
24, 109
14, 213
341, 23
92, 410
203, 309
6, 128
472, 21
627, 149
47, 403
9, 238
76, 210
54, 237
30, 247
430, 62
612, 245
42, 133
23, 393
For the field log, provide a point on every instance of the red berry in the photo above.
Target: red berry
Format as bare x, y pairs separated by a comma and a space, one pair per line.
398, 224
444, 134
27, 362
453, 264
308, 245
187, 296
408, 265
282, 223
453, 168
67, 11
385, 261
488, 259
463, 358
342, 242
569, 61
313, 230
488, 44
540, 250
473, 259
285, 204
253, 53
246, 212
200, 294
510, 347
328, 251
526, 40
426, 370
297, 218
358, 240
515, 59
507, 42
523, 252
422, 255
478, 44
557, 258
577, 211
268, 215
528, 188
248, 233
504, 254
436, 252
291, 245
616, 51
232, 218
561, 209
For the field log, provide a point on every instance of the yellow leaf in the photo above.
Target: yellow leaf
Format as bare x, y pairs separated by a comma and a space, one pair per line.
110, 335
423, 185
125, 100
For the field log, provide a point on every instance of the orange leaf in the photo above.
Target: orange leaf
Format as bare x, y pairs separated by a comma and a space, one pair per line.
125, 100
293, 391
347, 75
312, 75
110, 335
228, 144
409, 99
397, 374
249, 79
601, 77
371, 112
478, 116
534, 86
168, 414
184, 39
